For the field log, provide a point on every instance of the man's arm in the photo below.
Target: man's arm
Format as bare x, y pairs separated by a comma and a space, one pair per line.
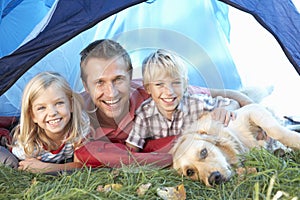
241, 98
236, 95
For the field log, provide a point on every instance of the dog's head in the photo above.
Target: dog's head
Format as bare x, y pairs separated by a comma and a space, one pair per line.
204, 157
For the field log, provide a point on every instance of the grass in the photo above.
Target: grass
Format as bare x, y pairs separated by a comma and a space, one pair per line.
274, 174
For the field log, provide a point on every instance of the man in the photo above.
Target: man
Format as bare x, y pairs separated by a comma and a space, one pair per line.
111, 99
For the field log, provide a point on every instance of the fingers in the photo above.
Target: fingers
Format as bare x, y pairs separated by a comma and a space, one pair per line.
228, 116
223, 115
21, 166
233, 115
219, 114
26, 164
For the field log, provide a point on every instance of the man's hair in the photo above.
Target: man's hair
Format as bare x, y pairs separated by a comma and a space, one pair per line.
105, 49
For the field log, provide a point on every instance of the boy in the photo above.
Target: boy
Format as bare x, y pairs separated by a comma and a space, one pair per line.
170, 109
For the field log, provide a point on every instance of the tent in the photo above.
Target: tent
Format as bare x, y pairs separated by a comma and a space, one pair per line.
52, 38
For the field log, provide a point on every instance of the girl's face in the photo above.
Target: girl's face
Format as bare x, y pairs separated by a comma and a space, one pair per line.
166, 91
51, 110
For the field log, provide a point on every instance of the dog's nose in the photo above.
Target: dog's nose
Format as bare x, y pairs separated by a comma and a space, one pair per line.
215, 178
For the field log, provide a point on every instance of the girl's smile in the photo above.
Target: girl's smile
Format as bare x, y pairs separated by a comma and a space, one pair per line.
51, 110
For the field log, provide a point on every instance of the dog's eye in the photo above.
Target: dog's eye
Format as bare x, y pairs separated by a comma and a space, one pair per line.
203, 153
190, 172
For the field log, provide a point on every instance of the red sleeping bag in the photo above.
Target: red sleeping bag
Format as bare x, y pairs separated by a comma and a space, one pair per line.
106, 154
5, 124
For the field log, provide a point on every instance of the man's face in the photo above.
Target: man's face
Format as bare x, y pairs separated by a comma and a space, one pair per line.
108, 83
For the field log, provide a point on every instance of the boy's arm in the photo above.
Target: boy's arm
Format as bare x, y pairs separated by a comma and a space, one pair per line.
137, 133
132, 147
223, 115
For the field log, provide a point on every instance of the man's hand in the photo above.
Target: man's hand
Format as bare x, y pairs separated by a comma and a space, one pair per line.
223, 115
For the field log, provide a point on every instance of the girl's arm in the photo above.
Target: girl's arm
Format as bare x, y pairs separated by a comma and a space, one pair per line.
35, 165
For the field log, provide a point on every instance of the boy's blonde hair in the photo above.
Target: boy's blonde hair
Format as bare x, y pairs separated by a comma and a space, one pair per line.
28, 134
163, 61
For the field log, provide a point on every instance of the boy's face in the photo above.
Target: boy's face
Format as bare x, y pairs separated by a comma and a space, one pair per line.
167, 92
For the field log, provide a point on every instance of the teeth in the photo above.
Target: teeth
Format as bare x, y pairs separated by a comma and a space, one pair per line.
169, 100
54, 121
112, 101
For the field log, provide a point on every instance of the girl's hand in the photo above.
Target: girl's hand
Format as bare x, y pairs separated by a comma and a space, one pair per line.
33, 165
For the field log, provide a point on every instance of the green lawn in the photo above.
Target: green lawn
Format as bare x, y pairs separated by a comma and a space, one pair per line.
274, 174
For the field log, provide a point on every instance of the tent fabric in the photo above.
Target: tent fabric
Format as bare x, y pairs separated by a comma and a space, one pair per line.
17, 21
202, 42
72, 18
7, 6
281, 19
69, 20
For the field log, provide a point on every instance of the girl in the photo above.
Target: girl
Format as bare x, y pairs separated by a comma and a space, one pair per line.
52, 125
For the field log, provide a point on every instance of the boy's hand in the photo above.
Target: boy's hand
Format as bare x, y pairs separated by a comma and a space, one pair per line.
132, 147
223, 115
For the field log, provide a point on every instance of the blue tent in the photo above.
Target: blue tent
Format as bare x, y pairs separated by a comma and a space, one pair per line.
52, 37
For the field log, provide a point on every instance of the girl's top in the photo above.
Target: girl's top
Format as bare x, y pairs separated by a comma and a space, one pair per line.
64, 152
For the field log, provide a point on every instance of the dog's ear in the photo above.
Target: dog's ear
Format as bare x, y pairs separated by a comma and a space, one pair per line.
229, 149
227, 146
178, 142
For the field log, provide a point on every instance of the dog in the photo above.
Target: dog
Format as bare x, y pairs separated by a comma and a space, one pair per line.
208, 150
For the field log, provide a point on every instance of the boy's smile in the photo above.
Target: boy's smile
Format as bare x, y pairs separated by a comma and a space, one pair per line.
166, 93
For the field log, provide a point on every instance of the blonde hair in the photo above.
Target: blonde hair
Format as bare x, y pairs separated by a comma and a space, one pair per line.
33, 138
163, 61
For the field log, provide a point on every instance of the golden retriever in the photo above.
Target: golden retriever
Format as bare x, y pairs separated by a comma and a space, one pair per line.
208, 150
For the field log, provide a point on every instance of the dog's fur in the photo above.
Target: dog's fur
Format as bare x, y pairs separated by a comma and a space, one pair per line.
208, 150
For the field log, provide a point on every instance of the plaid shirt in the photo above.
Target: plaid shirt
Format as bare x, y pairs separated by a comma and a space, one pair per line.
151, 124
137, 96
